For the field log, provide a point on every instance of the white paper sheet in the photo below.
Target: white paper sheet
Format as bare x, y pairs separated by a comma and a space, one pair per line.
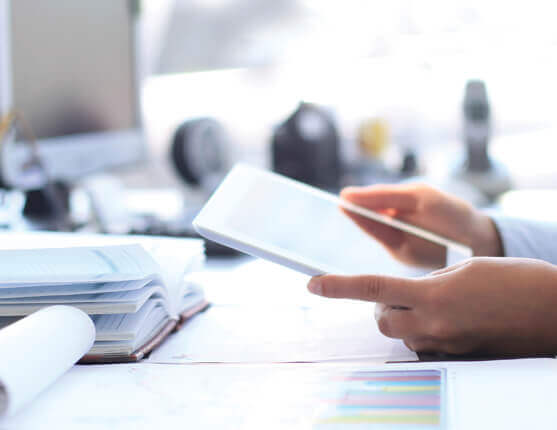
244, 334
511, 394
262, 312
37, 350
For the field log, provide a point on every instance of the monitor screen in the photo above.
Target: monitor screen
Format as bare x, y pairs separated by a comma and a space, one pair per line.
72, 66
69, 67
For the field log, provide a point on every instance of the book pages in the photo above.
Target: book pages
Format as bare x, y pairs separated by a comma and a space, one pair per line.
74, 265
65, 289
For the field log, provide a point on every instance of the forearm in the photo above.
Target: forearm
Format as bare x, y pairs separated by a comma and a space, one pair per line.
526, 238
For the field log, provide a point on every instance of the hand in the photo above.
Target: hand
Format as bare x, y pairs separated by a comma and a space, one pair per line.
430, 209
482, 305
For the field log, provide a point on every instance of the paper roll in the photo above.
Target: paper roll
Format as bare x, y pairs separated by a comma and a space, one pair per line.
37, 350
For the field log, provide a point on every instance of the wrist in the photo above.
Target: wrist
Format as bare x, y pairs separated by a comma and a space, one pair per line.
486, 239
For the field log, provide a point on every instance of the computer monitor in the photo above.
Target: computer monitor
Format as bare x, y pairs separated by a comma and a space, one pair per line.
70, 68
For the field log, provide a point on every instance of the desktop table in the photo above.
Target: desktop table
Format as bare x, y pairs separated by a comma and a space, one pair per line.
261, 392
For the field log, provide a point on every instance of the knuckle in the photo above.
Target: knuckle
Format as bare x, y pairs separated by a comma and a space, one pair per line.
372, 288
328, 288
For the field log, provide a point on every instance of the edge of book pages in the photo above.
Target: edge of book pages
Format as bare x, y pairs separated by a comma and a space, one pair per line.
143, 351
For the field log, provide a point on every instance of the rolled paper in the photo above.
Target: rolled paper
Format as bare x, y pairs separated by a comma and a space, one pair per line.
36, 350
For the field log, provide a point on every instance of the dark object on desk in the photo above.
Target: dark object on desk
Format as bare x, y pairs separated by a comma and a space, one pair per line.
47, 201
305, 147
181, 227
49, 205
199, 152
409, 164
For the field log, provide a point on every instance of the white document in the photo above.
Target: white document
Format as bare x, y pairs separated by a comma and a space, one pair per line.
262, 312
264, 334
507, 394
37, 350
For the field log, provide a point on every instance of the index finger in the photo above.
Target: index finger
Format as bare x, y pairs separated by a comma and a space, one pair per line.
389, 290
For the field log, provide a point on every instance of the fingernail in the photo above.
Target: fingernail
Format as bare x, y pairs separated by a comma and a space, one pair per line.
315, 287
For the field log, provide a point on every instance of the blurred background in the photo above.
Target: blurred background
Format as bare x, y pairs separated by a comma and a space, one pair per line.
459, 94
406, 62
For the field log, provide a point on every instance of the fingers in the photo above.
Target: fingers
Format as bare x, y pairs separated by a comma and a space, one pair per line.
374, 288
388, 236
449, 269
399, 197
415, 330
398, 323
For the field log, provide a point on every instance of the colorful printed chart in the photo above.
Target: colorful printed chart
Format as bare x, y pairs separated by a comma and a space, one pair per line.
380, 400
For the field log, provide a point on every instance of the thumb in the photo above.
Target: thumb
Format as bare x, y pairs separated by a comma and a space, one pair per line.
374, 288
377, 197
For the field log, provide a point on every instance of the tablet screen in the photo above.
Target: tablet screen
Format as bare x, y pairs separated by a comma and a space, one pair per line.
298, 222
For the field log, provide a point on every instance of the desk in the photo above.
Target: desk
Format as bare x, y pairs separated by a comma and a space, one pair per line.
149, 395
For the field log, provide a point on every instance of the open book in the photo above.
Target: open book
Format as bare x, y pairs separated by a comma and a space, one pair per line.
135, 294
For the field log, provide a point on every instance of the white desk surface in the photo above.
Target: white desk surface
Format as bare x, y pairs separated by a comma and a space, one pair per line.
244, 395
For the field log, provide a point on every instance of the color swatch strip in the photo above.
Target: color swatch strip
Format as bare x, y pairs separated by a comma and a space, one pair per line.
386, 400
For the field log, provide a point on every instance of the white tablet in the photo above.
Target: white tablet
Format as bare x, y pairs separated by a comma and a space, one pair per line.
301, 227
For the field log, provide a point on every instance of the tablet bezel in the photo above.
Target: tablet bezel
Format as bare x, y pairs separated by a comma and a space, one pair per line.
238, 182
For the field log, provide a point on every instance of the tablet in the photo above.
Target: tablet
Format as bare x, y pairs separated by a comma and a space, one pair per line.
290, 223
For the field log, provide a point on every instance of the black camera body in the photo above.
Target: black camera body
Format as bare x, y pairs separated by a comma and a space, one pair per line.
305, 147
